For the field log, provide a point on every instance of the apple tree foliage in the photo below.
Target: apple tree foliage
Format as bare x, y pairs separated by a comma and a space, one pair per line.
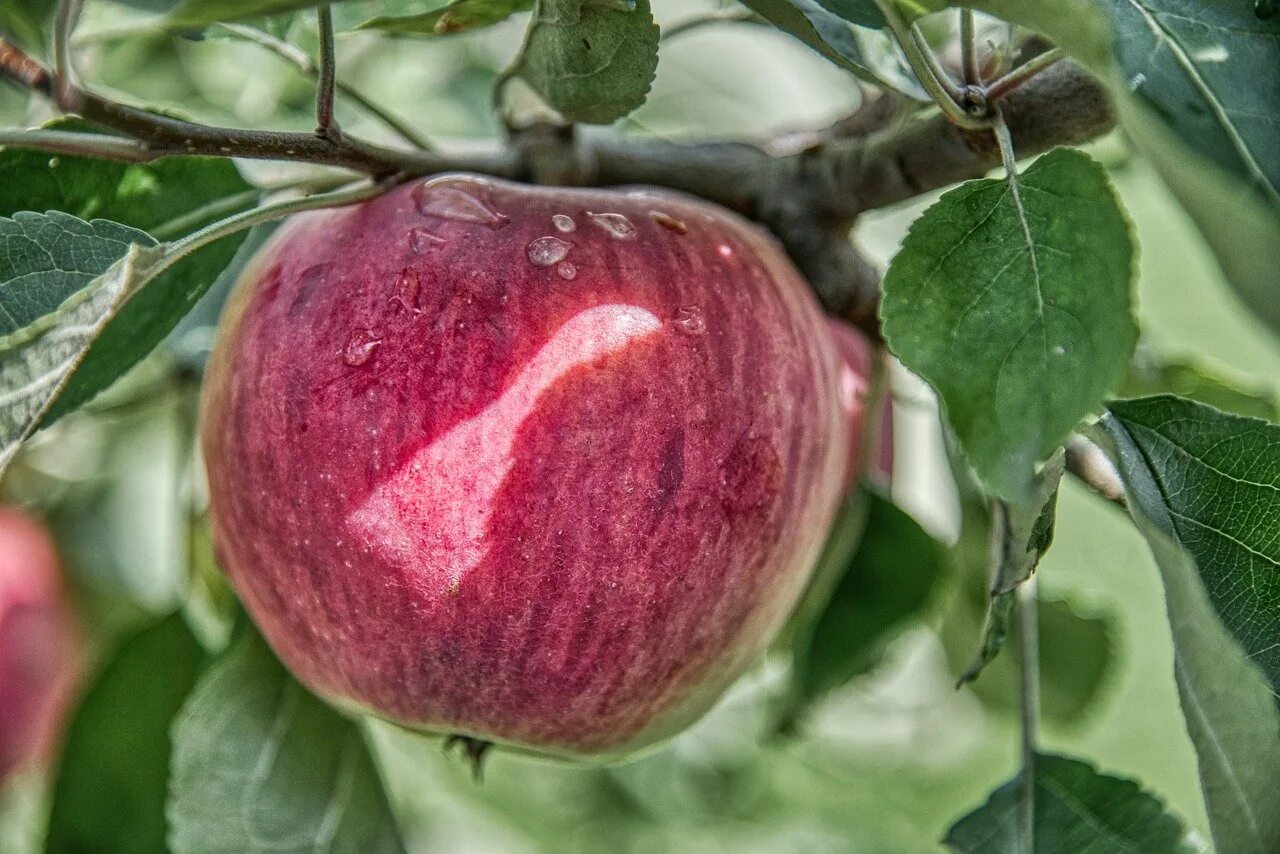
1011, 296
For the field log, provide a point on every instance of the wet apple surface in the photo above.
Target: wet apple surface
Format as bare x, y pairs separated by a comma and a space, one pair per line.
541, 466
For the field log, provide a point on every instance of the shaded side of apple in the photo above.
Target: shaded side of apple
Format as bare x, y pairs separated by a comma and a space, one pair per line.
541, 466
37, 643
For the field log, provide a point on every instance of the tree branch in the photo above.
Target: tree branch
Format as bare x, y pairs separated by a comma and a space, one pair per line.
326, 125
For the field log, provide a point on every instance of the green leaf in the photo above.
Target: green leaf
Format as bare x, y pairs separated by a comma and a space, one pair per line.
832, 37
460, 16
147, 197
591, 60
1077, 809
1024, 532
1018, 315
24, 21
1214, 488
61, 281
864, 13
1227, 702
1077, 649
259, 764
114, 770
1149, 375
882, 584
197, 14
1194, 85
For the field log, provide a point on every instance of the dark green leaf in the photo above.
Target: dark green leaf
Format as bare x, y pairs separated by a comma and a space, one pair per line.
864, 13
460, 16
1077, 652
1020, 317
1149, 375
147, 197
114, 771
197, 14
1228, 705
885, 582
24, 21
259, 764
61, 281
1077, 811
1024, 532
830, 35
1216, 480
591, 60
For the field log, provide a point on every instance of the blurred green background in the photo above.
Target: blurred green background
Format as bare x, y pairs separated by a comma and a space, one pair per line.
885, 764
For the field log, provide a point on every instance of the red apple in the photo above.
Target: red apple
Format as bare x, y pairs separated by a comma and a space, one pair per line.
37, 644
545, 467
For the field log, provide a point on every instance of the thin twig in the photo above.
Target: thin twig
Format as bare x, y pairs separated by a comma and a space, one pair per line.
102, 146
180, 249
301, 60
64, 85
1024, 72
941, 88
724, 16
327, 126
968, 50
1029, 707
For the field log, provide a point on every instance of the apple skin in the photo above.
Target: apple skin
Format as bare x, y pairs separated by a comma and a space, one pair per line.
469, 489
38, 648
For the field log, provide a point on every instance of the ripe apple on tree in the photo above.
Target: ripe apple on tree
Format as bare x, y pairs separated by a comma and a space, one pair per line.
545, 467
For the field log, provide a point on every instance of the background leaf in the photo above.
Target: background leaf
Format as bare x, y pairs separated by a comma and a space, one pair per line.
57, 256
1021, 340
865, 13
260, 764
1150, 375
886, 581
1077, 809
114, 771
460, 16
1228, 706
831, 36
145, 196
592, 61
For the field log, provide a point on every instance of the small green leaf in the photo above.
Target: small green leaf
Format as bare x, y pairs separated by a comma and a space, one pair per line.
1216, 492
885, 582
831, 36
460, 16
591, 60
1164, 449
114, 770
61, 281
1076, 809
144, 196
1149, 376
1024, 532
259, 764
1019, 316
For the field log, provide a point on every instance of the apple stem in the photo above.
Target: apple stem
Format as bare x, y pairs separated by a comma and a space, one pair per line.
1028, 640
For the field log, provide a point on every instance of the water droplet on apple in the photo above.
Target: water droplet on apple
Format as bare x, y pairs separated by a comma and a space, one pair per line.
545, 251
360, 347
567, 270
408, 287
563, 223
669, 222
614, 224
423, 240
458, 200
690, 321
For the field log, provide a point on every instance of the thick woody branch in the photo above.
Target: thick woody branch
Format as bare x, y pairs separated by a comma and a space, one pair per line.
809, 197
